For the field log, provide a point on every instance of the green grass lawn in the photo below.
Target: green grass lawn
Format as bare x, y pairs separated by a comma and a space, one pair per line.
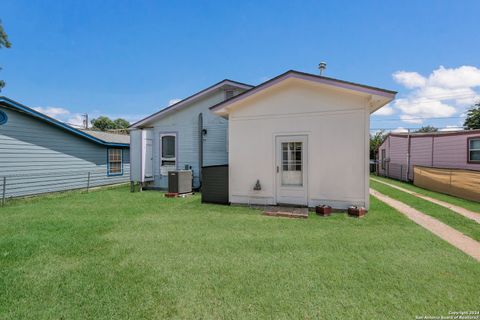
111, 254
467, 204
447, 216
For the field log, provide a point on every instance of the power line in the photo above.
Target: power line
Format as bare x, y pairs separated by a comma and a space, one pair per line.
448, 96
418, 103
416, 128
418, 118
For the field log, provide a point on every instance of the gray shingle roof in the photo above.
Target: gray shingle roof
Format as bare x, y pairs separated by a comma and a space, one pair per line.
108, 137
109, 140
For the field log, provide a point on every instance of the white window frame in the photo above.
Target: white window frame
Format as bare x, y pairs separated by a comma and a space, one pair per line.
470, 140
109, 167
170, 134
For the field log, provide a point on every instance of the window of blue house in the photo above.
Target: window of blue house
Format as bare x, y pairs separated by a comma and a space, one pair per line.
115, 162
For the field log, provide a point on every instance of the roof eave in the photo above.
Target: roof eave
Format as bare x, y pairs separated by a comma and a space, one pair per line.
221, 108
159, 114
34, 113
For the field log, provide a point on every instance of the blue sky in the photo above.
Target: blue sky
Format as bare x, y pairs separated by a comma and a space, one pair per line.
130, 58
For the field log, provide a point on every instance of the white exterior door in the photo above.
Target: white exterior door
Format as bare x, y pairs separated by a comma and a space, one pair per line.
148, 158
291, 169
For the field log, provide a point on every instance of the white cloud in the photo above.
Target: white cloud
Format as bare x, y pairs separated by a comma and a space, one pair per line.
400, 130
421, 107
451, 128
76, 120
410, 119
53, 112
62, 114
173, 101
464, 76
444, 93
409, 79
384, 111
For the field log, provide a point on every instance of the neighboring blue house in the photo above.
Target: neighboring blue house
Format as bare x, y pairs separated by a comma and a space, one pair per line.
39, 154
185, 135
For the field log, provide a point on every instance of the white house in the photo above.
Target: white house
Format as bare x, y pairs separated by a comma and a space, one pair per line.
185, 135
304, 138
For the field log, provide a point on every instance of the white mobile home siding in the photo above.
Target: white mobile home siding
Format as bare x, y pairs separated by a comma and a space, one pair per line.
438, 150
37, 157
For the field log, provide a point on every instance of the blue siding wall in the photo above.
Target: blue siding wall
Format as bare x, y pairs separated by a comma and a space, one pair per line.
37, 157
185, 124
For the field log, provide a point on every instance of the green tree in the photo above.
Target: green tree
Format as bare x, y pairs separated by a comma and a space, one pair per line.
473, 117
375, 142
121, 123
4, 43
102, 123
427, 129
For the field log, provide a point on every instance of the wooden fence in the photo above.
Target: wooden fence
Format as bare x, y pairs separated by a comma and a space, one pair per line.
456, 182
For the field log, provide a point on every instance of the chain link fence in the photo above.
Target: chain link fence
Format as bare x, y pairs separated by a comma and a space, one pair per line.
396, 171
21, 185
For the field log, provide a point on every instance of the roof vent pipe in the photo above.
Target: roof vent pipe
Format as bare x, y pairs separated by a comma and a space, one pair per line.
322, 66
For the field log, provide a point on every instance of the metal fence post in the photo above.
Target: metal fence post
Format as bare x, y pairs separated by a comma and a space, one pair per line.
450, 182
88, 180
4, 190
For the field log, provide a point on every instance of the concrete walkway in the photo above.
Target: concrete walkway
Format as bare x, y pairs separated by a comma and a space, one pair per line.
447, 233
464, 212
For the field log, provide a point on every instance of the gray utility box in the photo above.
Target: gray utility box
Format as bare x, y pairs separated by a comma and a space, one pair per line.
180, 181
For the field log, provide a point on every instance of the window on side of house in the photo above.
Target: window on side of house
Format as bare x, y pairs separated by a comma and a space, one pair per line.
115, 162
474, 150
168, 161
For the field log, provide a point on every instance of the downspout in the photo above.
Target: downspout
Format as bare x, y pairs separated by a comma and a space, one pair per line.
200, 148
408, 155
433, 149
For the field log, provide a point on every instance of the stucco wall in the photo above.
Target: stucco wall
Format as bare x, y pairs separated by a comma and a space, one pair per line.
336, 124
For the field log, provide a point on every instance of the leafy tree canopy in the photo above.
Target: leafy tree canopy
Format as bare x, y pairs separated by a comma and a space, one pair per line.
375, 141
4, 43
427, 129
104, 123
473, 117
121, 123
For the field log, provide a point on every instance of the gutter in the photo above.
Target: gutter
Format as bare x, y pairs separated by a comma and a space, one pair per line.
200, 148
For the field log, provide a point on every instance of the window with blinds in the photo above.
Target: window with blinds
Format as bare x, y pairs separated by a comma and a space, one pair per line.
115, 162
